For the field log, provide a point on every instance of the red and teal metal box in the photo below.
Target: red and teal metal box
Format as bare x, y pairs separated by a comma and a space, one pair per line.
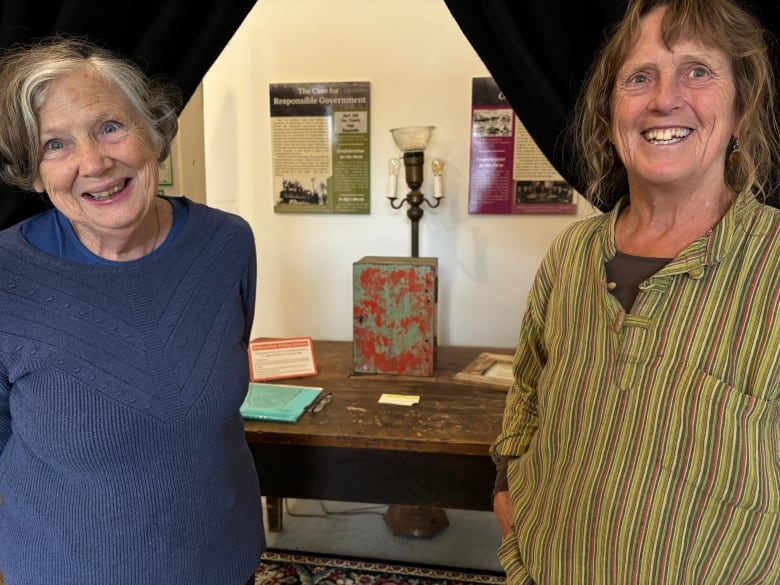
395, 306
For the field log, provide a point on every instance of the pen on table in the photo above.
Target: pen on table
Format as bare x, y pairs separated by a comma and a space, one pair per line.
321, 403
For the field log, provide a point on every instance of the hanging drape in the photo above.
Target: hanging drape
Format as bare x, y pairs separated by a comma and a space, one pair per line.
179, 39
538, 52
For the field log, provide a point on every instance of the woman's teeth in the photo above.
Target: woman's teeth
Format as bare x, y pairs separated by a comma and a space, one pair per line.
666, 135
103, 195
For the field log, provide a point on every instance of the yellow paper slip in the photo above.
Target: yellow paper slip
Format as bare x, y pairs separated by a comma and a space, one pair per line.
399, 399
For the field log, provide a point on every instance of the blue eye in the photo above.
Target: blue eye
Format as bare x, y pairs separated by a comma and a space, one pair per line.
698, 72
638, 78
54, 145
110, 127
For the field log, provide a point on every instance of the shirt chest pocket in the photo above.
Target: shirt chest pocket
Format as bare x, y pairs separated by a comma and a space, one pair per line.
723, 443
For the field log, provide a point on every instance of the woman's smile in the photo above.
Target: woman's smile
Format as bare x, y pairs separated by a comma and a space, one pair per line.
108, 193
666, 135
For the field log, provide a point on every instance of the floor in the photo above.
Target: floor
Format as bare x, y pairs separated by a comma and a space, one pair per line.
469, 540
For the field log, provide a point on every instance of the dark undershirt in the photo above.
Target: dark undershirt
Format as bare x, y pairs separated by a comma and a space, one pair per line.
626, 273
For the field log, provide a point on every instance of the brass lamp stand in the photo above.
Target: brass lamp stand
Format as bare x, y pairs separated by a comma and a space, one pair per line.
414, 521
412, 141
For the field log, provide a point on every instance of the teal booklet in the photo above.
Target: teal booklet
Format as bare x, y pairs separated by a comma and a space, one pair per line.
277, 402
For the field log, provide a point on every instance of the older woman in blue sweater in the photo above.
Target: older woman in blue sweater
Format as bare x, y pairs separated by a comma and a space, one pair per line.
124, 320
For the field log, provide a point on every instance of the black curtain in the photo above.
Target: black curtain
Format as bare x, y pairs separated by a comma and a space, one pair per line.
179, 39
538, 52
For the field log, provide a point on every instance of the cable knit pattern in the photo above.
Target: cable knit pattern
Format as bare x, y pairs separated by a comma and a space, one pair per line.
122, 451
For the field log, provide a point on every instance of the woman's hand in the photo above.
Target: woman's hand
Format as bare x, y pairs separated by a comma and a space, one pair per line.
502, 506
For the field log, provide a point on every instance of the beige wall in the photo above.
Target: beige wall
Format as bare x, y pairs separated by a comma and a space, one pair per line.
187, 153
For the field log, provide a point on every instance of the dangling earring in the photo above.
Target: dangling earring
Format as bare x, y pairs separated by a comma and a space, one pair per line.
735, 153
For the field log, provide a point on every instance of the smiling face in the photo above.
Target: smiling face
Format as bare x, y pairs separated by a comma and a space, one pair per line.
673, 111
98, 161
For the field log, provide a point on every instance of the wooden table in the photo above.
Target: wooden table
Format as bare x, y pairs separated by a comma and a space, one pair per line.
434, 453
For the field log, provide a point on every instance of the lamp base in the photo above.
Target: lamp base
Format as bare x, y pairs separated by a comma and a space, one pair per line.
416, 521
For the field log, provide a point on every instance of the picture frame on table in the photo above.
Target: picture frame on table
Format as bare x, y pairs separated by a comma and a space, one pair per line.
491, 369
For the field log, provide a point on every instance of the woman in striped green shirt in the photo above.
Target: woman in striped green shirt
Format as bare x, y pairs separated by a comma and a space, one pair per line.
641, 437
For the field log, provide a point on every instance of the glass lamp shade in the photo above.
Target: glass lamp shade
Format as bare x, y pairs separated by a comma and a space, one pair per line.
412, 138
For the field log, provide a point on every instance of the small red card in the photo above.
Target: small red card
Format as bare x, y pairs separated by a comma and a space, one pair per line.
274, 359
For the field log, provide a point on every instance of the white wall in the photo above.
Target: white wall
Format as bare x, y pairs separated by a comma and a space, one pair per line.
420, 68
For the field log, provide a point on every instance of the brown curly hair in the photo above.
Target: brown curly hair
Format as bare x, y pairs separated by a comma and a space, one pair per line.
717, 23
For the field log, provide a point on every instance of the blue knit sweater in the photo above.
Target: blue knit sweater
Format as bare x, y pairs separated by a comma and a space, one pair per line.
122, 451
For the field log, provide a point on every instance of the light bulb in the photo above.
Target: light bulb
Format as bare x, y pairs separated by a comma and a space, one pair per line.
438, 170
393, 166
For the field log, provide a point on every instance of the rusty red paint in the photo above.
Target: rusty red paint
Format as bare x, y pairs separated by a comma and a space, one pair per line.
395, 315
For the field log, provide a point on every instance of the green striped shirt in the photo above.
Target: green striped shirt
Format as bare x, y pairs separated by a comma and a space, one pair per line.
648, 443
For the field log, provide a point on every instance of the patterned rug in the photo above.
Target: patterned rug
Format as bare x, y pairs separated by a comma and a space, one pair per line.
288, 568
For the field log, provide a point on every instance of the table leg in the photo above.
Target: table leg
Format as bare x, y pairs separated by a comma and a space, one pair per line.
274, 507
